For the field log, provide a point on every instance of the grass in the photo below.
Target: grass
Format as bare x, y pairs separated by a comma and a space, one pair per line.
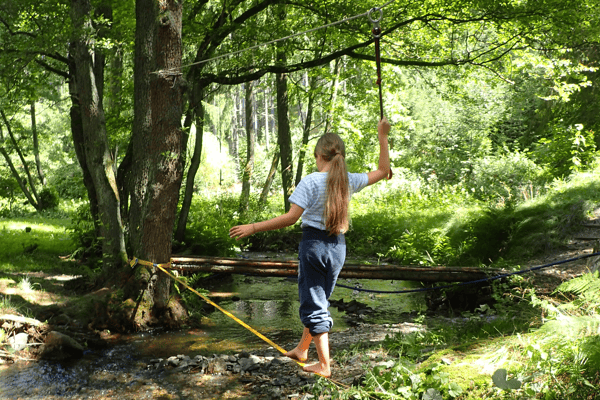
30, 244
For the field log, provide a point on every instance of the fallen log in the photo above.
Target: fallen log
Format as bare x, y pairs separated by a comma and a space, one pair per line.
22, 320
350, 270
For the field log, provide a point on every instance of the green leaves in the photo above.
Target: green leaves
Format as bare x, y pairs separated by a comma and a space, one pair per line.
500, 380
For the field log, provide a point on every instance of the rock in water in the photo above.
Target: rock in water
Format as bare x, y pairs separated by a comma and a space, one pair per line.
59, 346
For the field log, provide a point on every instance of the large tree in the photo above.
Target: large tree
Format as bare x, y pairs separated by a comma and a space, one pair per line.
88, 82
157, 169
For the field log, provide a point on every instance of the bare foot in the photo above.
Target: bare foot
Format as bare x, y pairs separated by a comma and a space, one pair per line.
318, 369
295, 354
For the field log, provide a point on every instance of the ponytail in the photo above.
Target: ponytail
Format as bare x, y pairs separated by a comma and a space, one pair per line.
331, 147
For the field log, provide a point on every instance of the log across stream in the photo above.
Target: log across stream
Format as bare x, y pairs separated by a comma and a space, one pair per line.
351, 270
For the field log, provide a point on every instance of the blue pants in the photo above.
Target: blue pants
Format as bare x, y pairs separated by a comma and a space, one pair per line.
321, 258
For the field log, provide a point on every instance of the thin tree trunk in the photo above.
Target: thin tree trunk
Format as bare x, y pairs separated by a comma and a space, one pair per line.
191, 175
78, 142
269, 181
333, 97
36, 145
307, 127
267, 118
249, 165
284, 138
98, 157
14, 172
232, 138
32, 190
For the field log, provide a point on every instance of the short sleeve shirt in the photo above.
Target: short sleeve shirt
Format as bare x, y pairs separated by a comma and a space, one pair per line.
311, 193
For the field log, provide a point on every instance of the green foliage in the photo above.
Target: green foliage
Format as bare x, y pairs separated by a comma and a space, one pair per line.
587, 290
193, 303
505, 177
49, 198
430, 382
500, 379
408, 224
208, 225
68, 181
566, 149
83, 231
486, 236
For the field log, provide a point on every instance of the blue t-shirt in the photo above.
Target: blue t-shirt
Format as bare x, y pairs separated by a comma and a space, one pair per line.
311, 194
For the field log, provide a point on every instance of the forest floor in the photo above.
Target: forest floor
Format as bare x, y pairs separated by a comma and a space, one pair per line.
261, 385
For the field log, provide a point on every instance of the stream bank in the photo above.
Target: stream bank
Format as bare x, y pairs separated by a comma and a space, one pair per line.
220, 359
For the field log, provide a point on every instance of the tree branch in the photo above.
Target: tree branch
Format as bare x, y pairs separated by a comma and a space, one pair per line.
15, 33
50, 68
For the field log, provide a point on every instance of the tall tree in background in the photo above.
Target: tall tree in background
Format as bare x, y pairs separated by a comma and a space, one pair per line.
250, 139
284, 136
157, 143
89, 80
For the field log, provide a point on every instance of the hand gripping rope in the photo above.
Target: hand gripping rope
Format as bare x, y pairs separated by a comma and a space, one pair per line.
375, 19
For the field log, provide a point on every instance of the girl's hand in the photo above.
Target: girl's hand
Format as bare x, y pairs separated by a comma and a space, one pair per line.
241, 231
383, 127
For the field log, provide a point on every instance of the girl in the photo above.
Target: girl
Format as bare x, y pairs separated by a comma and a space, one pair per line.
322, 199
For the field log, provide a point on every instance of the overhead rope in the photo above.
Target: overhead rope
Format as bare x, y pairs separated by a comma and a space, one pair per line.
376, 35
233, 53
375, 16
493, 278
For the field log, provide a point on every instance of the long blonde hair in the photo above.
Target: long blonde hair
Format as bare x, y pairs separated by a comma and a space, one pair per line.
332, 149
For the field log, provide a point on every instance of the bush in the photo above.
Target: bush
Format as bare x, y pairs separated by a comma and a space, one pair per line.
49, 198
568, 149
507, 177
68, 181
208, 225
83, 231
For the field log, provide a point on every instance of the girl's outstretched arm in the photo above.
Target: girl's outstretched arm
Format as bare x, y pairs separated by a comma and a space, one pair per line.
383, 170
287, 219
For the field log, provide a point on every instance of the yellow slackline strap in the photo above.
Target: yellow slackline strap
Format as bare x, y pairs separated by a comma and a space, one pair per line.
136, 261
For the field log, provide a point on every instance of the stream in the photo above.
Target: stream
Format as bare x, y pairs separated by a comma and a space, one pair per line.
268, 304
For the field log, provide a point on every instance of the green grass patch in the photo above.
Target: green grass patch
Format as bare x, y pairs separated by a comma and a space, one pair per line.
32, 244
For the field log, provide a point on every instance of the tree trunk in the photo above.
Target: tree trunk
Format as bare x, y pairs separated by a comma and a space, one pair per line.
30, 192
95, 140
191, 175
267, 119
269, 180
284, 137
333, 97
307, 127
78, 143
36, 146
22, 182
249, 165
157, 139
232, 137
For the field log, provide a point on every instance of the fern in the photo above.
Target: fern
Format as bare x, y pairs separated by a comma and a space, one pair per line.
568, 328
587, 287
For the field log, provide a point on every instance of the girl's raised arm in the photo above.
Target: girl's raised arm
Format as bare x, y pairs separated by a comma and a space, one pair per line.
383, 170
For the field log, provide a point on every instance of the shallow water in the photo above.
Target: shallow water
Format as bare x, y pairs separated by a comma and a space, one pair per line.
269, 305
